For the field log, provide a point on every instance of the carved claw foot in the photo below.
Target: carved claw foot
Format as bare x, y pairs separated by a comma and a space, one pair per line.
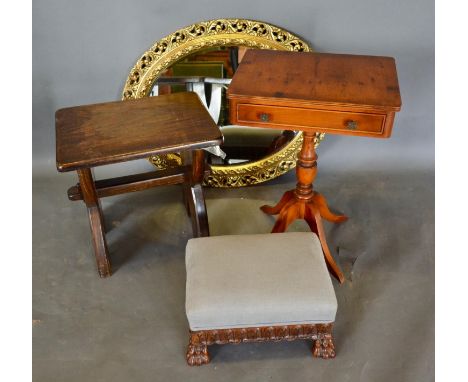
197, 354
324, 348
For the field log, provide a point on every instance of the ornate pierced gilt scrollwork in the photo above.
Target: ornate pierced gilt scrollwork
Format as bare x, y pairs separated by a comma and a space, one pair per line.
214, 33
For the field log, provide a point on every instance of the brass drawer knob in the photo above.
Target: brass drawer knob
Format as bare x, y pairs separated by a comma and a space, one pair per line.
264, 117
351, 125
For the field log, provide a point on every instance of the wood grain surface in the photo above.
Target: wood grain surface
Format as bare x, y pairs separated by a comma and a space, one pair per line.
104, 133
318, 78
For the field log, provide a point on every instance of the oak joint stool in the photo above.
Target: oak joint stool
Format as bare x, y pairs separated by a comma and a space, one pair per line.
252, 288
112, 132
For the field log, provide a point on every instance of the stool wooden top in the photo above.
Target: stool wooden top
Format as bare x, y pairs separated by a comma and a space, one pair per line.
104, 133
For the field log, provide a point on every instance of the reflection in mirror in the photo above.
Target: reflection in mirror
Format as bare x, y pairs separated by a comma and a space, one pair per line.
208, 73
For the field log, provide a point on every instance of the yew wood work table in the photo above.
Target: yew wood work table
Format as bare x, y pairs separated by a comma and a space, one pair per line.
314, 93
100, 134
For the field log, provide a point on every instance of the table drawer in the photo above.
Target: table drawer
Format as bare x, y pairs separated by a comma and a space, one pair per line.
338, 122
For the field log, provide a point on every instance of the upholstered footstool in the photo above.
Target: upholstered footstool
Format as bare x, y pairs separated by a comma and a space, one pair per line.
248, 288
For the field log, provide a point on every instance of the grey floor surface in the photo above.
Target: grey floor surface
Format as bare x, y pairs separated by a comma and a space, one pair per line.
132, 326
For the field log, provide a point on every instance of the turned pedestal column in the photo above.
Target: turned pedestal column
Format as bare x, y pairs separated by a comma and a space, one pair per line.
305, 203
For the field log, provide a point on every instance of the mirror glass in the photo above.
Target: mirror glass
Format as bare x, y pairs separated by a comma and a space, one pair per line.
208, 73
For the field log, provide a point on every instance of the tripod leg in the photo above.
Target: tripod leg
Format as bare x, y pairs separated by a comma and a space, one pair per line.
322, 206
287, 196
332, 265
288, 214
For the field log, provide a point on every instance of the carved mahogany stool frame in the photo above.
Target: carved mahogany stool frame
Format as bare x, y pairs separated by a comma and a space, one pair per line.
321, 334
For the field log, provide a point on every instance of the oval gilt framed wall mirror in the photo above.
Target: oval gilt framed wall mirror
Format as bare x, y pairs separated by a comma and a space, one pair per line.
203, 58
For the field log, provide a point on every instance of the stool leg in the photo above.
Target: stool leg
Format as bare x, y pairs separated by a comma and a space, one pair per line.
198, 212
196, 196
197, 353
324, 347
96, 221
186, 197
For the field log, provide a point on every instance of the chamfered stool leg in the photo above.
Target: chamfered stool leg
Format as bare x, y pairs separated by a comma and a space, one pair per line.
197, 352
96, 221
198, 212
196, 195
186, 194
324, 347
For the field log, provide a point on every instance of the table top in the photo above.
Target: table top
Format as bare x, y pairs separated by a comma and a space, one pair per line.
320, 78
104, 133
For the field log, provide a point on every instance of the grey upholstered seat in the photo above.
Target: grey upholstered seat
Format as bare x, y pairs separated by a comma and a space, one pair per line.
257, 280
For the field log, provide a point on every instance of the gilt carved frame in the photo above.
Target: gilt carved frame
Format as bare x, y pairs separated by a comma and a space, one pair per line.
215, 33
